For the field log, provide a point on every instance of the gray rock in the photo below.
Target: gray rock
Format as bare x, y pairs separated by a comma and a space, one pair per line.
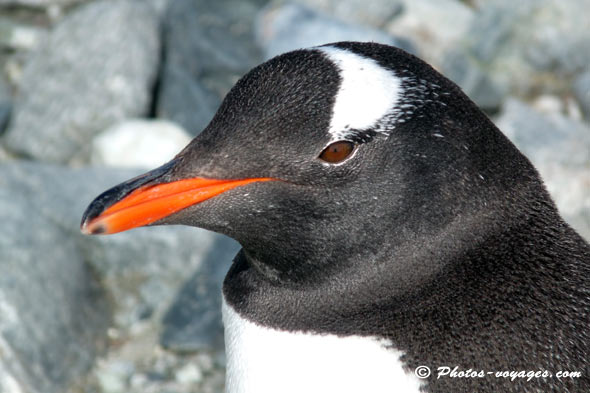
492, 28
581, 90
558, 147
5, 104
208, 46
376, 13
144, 269
524, 47
39, 3
143, 367
282, 28
474, 79
546, 35
467, 63
58, 303
434, 26
102, 59
193, 322
184, 100
160, 6
556, 36
4, 155
113, 376
54, 315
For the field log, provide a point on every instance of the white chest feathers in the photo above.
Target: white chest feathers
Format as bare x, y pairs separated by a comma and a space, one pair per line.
263, 360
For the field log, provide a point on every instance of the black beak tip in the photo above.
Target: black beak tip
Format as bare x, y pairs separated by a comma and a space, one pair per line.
115, 194
93, 210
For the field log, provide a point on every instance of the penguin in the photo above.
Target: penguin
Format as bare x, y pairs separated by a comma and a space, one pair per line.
393, 239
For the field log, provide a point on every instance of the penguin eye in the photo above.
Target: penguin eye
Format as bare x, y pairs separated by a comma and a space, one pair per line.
337, 152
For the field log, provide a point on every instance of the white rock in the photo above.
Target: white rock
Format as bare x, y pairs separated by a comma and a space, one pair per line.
139, 143
189, 374
548, 104
113, 376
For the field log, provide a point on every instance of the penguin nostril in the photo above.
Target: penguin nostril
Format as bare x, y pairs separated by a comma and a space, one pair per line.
337, 152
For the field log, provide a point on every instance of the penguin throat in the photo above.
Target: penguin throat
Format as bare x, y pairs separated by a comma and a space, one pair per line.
266, 270
289, 271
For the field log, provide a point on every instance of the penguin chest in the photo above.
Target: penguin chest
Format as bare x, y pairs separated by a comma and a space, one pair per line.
263, 360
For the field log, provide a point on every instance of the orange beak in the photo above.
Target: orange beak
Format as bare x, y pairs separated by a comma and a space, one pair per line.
150, 203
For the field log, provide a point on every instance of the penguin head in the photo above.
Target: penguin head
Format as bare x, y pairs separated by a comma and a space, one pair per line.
326, 158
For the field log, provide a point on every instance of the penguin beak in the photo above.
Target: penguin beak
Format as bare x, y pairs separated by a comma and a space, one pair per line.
150, 197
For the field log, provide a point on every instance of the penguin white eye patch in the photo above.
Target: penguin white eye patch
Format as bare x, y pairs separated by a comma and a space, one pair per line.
337, 152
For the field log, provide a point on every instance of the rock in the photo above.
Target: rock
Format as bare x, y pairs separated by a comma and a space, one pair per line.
474, 80
282, 28
443, 30
17, 36
189, 374
62, 313
160, 6
558, 147
147, 368
524, 47
138, 144
141, 270
144, 269
39, 3
5, 104
492, 27
193, 322
207, 47
470, 62
4, 155
434, 26
53, 313
551, 104
102, 59
114, 376
376, 13
581, 90
548, 104
555, 39
184, 100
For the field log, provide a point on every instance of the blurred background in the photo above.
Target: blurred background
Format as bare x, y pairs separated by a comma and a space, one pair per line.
94, 92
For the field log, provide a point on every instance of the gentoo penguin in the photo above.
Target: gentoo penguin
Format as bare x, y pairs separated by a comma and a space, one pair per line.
393, 239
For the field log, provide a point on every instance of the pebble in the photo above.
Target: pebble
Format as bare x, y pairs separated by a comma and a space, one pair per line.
138, 144
189, 374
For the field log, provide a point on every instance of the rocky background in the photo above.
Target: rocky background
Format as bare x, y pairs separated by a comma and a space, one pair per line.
94, 92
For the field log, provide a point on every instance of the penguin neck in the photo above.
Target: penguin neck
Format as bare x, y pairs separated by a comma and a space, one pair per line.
391, 287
